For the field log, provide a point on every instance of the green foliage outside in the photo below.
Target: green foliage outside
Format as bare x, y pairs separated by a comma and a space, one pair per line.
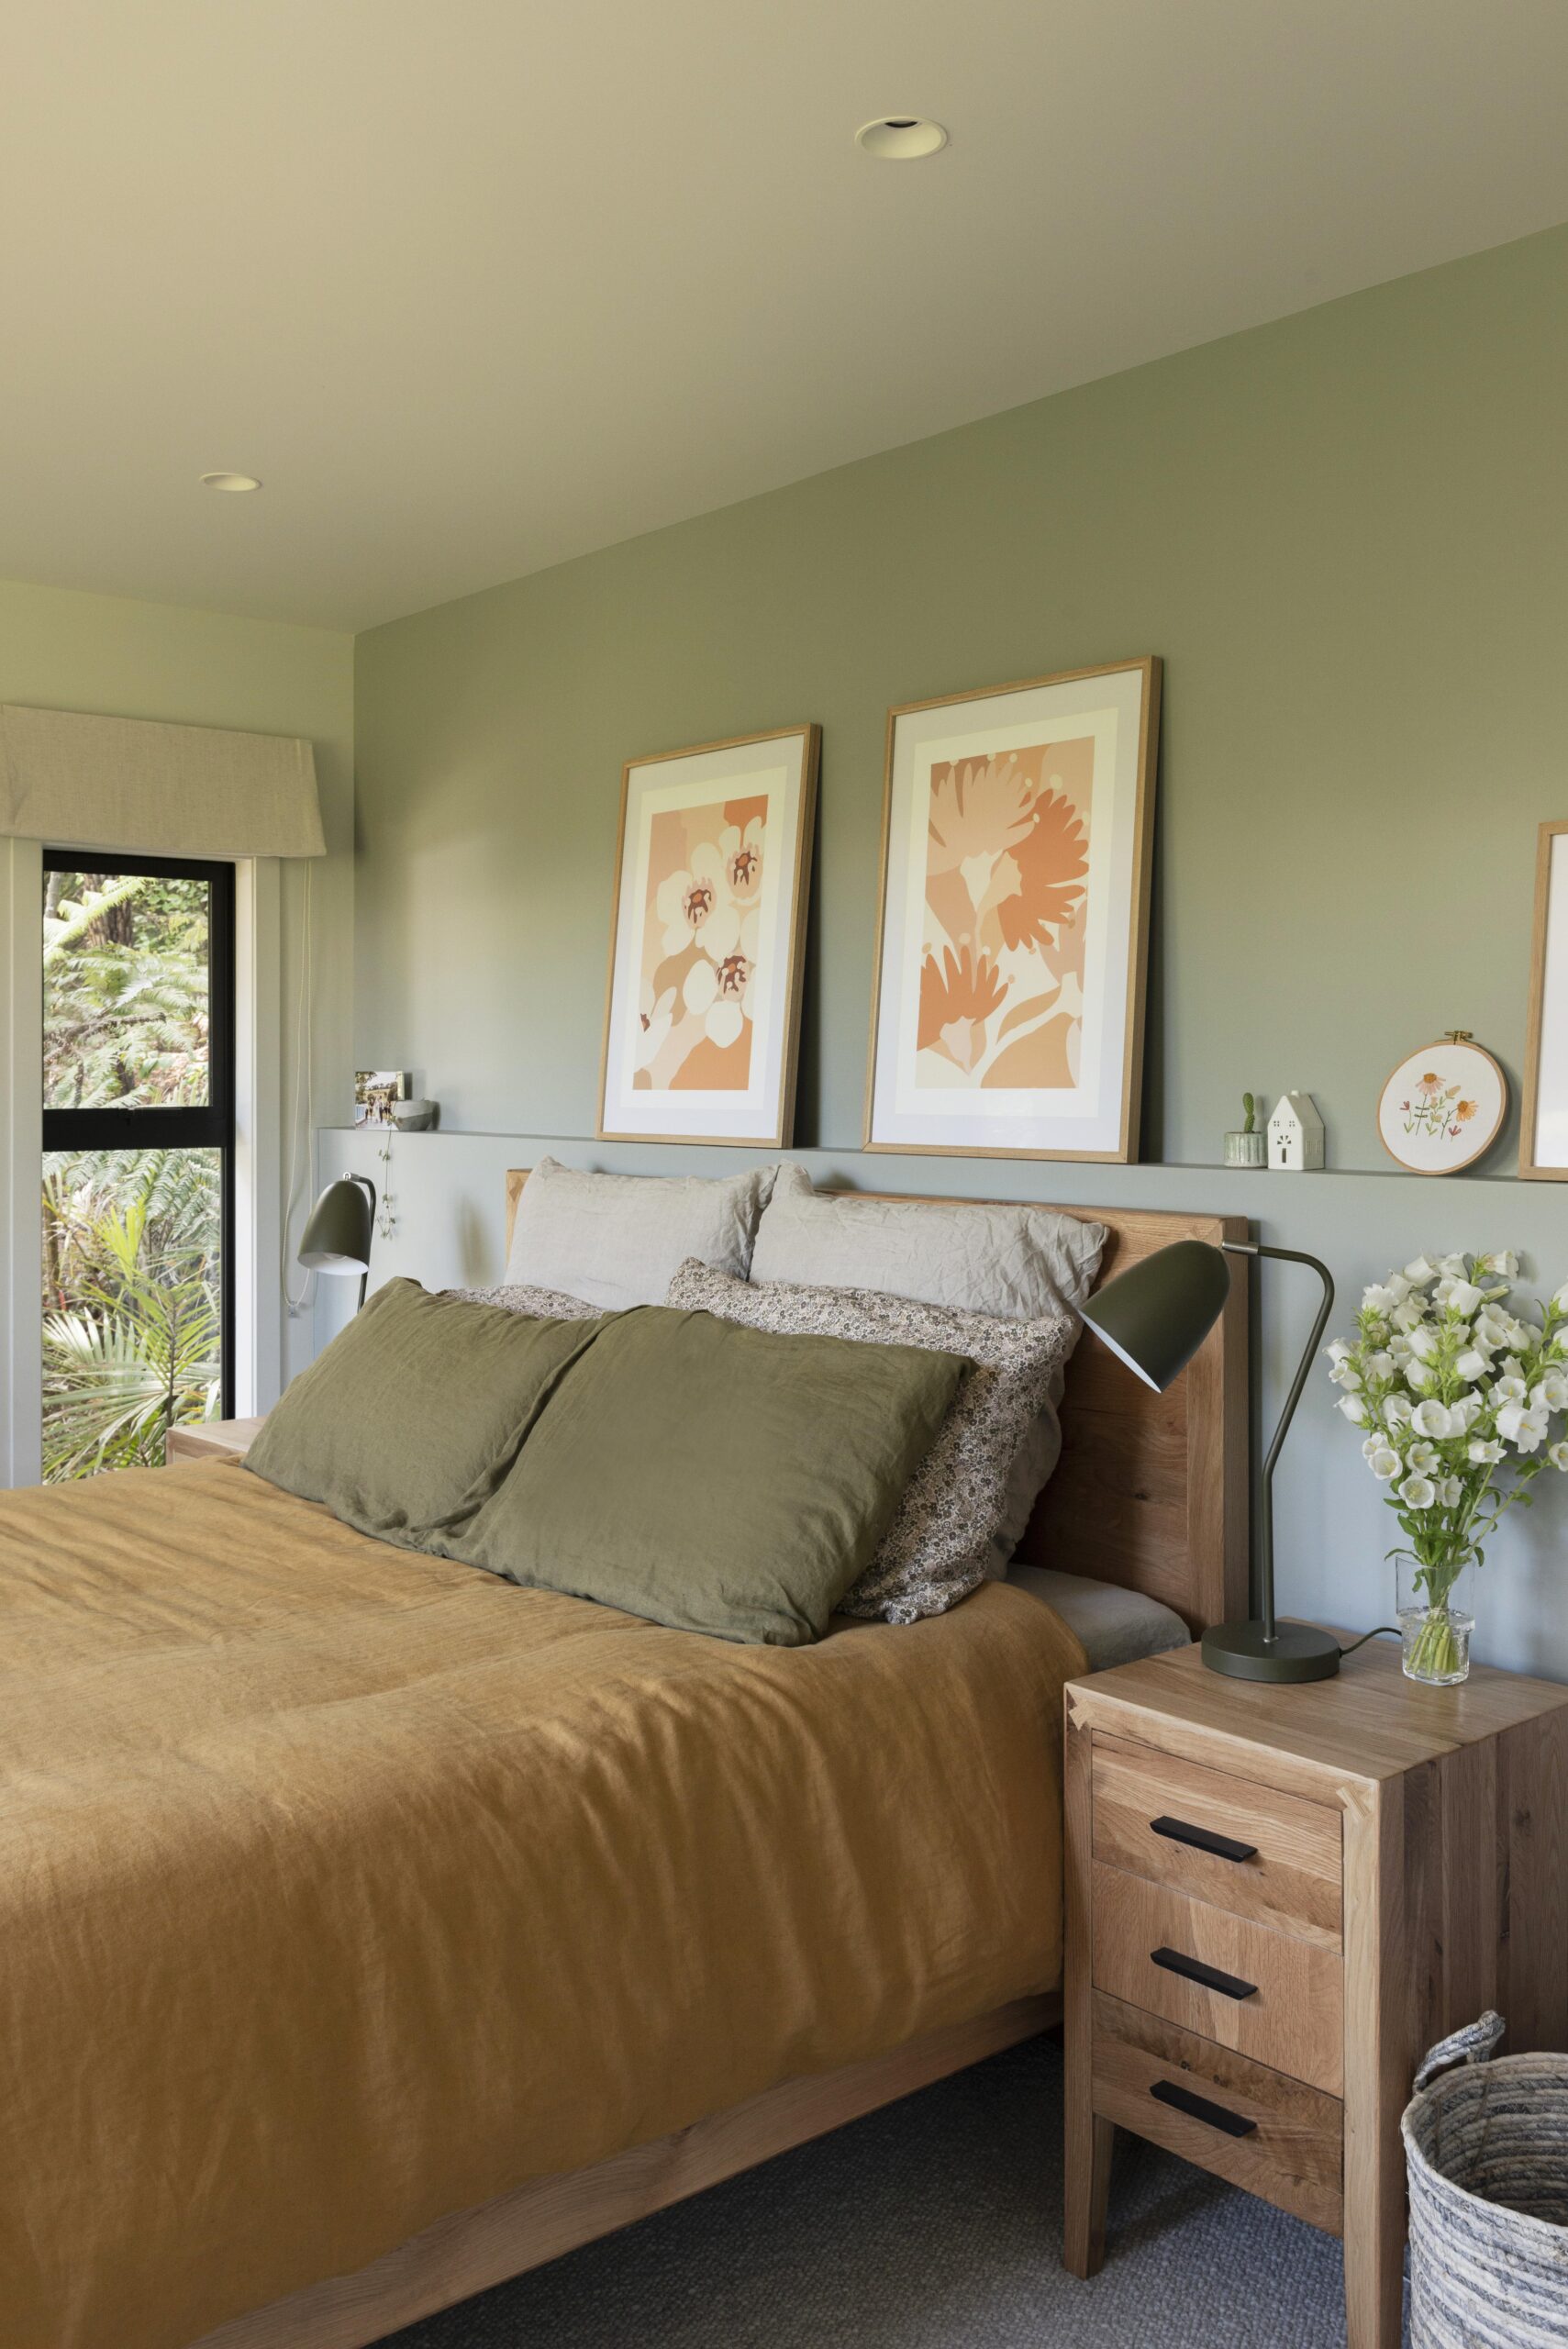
131, 1238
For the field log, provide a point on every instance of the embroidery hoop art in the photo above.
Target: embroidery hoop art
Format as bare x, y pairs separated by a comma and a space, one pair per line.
1489, 1079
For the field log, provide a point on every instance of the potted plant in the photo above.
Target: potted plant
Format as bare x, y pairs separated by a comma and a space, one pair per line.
1458, 1397
1247, 1146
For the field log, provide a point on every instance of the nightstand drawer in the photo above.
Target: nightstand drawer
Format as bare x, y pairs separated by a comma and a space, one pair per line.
1226, 1841
1256, 2127
1276, 1999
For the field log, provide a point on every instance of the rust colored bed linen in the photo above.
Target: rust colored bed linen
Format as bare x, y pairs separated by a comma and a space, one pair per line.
342, 1887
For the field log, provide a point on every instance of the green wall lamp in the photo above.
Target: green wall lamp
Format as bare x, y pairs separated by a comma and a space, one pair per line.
1155, 1316
337, 1237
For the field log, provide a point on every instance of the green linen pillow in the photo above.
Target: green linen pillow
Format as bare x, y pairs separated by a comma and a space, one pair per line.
713, 1477
415, 1412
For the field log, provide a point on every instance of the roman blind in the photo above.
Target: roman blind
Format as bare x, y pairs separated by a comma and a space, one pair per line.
131, 783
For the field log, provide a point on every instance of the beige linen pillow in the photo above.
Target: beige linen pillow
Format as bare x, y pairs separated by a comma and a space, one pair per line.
617, 1240
1026, 1264
959, 1516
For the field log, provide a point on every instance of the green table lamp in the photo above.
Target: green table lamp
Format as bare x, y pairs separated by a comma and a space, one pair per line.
1155, 1316
338, 1236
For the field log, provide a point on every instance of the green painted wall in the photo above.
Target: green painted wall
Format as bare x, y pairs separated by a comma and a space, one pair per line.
1347, 533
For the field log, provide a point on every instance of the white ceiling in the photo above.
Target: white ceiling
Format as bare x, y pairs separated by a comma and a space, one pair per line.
478, 284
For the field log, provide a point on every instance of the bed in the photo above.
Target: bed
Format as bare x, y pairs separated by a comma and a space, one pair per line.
289, 1826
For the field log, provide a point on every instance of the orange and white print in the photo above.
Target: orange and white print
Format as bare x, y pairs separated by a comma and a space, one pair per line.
1007, 900
699, 974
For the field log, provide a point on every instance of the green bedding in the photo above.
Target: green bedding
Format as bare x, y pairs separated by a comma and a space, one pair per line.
713, 1477
415, 1412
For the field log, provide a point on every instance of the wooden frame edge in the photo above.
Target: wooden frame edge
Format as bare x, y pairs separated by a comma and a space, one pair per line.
472, 2250
1153, 668
810, 736
1529, 1172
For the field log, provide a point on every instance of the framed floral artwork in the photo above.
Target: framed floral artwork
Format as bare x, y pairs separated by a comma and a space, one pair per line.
1007, 1019
1543, 1115
712, 865
1442, 1108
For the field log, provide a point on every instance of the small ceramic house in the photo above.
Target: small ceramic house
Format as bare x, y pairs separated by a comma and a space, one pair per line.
1296, 1134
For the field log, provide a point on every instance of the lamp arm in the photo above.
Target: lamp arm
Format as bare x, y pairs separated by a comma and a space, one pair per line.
1266, 1480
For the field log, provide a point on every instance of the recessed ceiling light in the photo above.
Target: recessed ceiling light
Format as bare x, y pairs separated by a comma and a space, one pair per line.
901, 137
235, 484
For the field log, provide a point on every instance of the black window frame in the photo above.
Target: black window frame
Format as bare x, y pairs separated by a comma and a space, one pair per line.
209, 1127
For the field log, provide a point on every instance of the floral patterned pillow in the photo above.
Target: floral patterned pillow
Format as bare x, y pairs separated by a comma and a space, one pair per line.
944, 1536
538, 1304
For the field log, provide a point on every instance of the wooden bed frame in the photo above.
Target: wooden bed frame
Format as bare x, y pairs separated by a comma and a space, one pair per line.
1152, 1492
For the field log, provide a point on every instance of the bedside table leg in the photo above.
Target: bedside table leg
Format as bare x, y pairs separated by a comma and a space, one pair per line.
1378, 2060
1088, 2183
1089, 2138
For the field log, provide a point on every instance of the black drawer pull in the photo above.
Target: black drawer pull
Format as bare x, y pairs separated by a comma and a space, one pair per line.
1235, 2124
1229, 1985
1202, 1838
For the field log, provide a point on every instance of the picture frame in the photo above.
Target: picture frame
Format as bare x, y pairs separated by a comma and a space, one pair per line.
1063, 769
708, 923
1543, 1106
375, 1090
1442, 1108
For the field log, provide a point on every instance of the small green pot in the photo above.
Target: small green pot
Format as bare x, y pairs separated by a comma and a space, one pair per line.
1246, 1150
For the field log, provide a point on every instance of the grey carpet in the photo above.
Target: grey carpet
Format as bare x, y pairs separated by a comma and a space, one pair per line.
934, 2224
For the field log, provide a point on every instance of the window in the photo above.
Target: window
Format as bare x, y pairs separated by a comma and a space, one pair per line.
138, 1155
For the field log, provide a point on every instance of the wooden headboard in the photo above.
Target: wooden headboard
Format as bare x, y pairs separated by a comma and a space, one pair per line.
1152, 1489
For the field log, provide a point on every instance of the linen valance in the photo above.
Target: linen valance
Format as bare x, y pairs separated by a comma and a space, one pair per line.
135, 784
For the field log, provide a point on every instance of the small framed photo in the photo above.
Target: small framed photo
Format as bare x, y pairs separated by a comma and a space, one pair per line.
1543, 1117
1007, 1020
712, 865
375, 1090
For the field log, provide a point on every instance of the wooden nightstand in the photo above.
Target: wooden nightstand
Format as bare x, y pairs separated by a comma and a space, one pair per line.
1277, 1900
211, 1440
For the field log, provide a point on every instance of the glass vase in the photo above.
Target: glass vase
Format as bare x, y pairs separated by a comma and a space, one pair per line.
1435, 1618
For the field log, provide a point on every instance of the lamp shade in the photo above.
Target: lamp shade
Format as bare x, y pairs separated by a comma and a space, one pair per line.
338, 1236
1157, 1314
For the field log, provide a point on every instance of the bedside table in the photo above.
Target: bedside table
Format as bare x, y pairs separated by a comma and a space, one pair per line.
211, 1440
1278, 1899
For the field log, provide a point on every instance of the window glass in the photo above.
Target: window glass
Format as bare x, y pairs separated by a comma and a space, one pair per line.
126, 991
132, 1303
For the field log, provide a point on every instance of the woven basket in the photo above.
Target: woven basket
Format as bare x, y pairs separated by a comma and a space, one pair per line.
1487, 2148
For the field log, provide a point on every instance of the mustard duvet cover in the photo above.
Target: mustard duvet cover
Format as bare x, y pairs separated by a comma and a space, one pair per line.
342, 1887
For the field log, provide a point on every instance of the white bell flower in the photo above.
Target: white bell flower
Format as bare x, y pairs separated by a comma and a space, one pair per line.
1502, 1261
1354, 1409
1472, 1365
1554, 1389
1384, 1462
1405, 1316
1430, 1417
1419, 1379
1417, 1492
1558, 1455
1379, 1366
1510, 1389
1345, 1373
1453, 1268
1419, 1271
1484, 1452
1424, 1341
1422, 1458
1397, 1410
1449, 1492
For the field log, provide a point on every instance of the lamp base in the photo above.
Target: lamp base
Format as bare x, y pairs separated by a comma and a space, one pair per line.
1297, 1651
